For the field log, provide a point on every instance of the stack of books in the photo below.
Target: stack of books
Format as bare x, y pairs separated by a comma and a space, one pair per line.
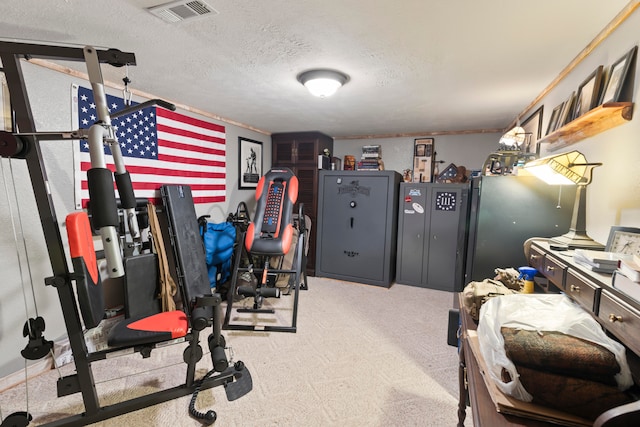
627, 277
598, 261
371, 158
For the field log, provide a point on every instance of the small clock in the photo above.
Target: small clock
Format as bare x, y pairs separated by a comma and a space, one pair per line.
624, 240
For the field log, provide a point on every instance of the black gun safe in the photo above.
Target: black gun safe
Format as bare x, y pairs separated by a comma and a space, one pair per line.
357, 226
432, 221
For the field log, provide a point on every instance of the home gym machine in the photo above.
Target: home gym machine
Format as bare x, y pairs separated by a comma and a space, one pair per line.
200, 308
270, 234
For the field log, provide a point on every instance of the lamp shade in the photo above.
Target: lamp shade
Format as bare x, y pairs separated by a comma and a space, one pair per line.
322, 83
514, 138
569, 168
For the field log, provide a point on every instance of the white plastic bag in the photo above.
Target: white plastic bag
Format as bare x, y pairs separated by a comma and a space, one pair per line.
538, 313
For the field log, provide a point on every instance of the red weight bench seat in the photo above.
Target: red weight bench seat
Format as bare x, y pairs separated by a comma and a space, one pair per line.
130, 332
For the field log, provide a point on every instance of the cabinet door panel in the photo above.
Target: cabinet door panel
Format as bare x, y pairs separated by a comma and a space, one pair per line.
307, 188
442, 242
282, 153
306, 151
354, 226
412, 214
308, 195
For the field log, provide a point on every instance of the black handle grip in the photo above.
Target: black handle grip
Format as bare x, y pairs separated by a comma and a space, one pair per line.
219, 359
246, 291
270, 292
103, 199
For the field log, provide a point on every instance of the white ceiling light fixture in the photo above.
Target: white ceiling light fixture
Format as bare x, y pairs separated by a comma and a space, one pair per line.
323, 83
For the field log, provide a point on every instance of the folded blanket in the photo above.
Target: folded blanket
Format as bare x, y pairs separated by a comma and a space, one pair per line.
580, 397
559, 353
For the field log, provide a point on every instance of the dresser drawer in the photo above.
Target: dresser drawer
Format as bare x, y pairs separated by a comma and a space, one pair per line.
582, 290
621, 319
536, 258
554, 270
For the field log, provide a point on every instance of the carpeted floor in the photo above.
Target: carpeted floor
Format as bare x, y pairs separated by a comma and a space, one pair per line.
363, 356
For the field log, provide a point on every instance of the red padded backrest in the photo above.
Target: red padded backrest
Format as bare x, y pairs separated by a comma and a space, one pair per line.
85, 266
269, 233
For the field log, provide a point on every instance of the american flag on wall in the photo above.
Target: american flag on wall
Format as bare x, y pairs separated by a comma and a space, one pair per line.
159, 147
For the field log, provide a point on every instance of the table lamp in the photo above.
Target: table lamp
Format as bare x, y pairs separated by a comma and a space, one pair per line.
509, 153
569, 168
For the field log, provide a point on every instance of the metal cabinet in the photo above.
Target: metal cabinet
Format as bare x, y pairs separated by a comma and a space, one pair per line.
432, 222
357, 226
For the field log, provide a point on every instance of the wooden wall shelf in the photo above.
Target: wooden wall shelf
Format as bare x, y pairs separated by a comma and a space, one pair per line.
598, 120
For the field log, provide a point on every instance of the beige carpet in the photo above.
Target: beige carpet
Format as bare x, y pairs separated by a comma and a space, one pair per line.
363, 356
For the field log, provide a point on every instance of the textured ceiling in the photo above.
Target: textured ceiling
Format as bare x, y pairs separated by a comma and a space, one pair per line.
415, 66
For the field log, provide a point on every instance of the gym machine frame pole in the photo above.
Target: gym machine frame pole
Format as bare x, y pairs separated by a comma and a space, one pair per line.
11, 54
27, 147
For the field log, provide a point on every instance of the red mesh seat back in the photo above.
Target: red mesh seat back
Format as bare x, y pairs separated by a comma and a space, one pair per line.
271, 231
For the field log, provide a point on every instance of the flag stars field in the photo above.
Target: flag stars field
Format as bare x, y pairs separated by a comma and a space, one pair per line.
159, 147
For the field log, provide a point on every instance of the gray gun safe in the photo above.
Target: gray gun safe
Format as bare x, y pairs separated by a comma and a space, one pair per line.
432, 221
357, 226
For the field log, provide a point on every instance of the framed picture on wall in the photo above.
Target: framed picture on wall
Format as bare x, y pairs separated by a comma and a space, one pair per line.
532, 125
567, 110
423, 160
588, 93
617, 76
249, 162
553, 120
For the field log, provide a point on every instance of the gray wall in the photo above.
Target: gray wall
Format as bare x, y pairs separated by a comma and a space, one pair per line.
469, 151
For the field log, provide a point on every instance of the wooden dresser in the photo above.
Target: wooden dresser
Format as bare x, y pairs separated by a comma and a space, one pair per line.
299, 151
618, 314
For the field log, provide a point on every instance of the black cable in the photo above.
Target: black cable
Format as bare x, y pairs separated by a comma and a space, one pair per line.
210, 416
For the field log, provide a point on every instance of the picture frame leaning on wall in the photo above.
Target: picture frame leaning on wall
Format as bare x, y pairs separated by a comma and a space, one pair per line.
618, 72
555, 118
567, 110
588, 93
533, 128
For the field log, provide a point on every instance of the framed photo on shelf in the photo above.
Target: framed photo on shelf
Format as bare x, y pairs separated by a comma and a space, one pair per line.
249, 162
532, 125
567, 110
617, 76
423, 160
554, 119
423, 147
588, 93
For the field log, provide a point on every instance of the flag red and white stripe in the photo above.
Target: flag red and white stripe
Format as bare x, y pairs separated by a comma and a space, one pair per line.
159, 147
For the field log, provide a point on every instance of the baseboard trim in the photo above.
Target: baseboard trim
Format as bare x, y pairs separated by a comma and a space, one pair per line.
17, 378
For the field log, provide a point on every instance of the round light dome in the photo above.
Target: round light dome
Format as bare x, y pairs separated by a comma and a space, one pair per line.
322, 83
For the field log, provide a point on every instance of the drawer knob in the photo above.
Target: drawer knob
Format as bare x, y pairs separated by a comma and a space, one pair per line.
550, 269
575, 288
615, 318
534, 257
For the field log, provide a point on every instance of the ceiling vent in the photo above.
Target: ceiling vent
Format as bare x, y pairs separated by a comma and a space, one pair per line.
177, 11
